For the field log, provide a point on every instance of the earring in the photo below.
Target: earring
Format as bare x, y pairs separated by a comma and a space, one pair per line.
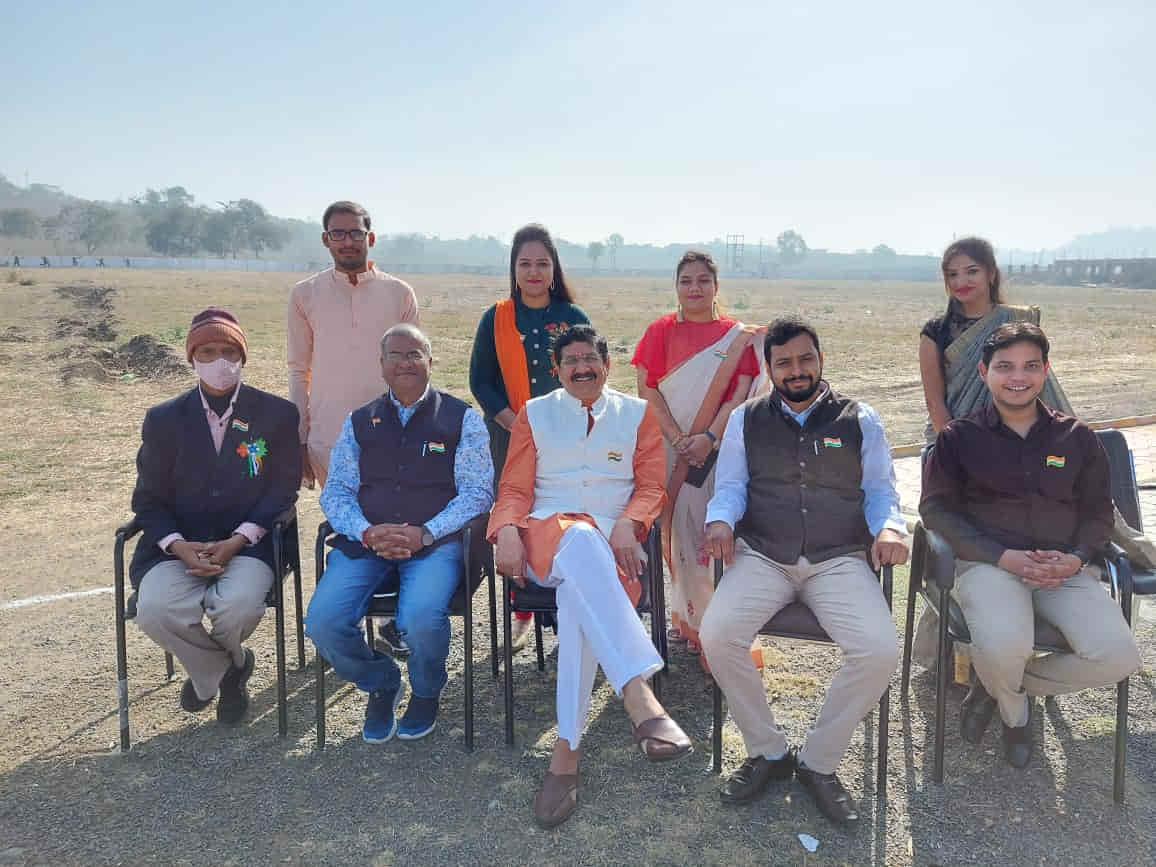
714, 309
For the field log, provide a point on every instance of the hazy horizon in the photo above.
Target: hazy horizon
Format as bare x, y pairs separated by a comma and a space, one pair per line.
895, 123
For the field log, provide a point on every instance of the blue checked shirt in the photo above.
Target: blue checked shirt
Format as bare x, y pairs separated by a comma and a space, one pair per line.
473, 477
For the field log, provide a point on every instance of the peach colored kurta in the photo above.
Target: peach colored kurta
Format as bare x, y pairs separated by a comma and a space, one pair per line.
541, 536
334, 347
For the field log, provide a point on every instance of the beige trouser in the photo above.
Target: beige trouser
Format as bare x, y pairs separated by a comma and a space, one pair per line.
1000, 612
171, 604
845, 597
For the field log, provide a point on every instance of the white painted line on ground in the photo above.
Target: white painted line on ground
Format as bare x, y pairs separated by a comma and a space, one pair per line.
57, 597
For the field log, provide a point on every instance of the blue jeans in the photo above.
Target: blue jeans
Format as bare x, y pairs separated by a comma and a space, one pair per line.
427, 584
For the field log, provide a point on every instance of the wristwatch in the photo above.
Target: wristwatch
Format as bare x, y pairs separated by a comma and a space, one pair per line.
427, 538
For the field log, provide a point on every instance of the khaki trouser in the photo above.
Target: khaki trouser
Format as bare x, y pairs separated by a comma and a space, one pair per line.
845, 597
1000, 612
171, 604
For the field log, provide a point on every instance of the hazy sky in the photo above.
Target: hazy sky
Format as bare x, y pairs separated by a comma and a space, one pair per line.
664, 120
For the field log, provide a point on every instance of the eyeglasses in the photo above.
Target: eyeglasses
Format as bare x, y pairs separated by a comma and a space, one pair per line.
351, 234
575, 360
413, 356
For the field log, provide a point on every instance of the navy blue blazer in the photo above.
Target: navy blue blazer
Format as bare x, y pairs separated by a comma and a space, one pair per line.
183, 486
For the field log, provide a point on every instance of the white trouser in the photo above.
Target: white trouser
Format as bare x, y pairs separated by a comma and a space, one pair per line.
597, 625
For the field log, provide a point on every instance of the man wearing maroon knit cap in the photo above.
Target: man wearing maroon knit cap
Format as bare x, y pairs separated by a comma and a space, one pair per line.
216, 466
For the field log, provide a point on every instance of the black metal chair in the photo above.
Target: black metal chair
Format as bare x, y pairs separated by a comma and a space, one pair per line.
797, 622
542, 600
477, 564
932, 576
286, 559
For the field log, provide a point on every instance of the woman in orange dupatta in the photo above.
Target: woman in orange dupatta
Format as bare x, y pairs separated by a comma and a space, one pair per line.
511, 360
694, 367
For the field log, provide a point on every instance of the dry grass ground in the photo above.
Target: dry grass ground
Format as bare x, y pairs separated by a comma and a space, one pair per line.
191, 793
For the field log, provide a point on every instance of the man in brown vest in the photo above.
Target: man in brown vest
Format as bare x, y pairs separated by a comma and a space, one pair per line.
805, 481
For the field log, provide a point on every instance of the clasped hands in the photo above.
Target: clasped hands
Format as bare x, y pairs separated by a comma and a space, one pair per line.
1041, 569
888, 549
393, 541
693, 448
208, 559
510, 551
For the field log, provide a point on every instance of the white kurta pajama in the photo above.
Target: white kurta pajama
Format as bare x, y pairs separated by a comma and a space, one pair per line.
571, 473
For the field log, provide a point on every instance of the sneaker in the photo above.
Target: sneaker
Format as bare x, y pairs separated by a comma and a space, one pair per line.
421, 718
520, 632
192, 702
390, 640
381, 715
234, 700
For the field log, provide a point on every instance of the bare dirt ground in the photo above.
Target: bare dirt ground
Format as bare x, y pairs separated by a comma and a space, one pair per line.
190, 792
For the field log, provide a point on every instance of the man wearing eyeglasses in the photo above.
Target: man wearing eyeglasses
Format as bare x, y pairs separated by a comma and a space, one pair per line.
336, 318
584, 480
409, 469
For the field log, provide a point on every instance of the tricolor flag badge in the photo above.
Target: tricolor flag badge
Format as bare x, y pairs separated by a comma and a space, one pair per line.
1056, 461
832, 443
375, 421
437, 448
720, 353
614, 456
242, 426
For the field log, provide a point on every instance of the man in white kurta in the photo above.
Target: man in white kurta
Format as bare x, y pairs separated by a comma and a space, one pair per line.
583, 482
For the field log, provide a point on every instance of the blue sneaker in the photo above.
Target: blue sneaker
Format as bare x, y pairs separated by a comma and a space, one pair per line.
381, 716
421, 718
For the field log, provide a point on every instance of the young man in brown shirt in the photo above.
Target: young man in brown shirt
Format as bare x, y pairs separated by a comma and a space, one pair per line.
1024, 497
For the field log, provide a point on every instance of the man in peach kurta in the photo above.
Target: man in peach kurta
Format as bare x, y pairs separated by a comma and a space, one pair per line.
583, 482
336, 320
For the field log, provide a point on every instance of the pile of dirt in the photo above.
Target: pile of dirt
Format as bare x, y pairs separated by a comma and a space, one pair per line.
144, 356
103, 329
88, 295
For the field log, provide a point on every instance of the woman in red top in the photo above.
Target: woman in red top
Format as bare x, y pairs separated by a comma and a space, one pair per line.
694, 366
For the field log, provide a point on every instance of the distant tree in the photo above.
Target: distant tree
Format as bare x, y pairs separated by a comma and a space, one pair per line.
882, 251
409, 248
219, 234
92, 223
792, 247
19, 222
594, 250
613, 244
173, 226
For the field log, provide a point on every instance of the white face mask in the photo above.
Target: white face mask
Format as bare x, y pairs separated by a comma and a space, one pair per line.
220, 374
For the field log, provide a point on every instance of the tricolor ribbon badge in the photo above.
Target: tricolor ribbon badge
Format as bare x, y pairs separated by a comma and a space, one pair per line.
253, 452
832, 443
1056, 461
437, 448
616, 457
720, 353
242, 426
375, 421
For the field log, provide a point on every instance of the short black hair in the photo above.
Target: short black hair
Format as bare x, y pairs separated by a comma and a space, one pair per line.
1011, 333
345, 207
579, 334
787, 328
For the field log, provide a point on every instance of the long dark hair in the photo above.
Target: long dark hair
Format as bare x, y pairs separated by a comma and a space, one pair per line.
538, 232
982, 253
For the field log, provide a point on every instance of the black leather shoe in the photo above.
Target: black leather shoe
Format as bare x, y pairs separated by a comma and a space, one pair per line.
1017, 742
234, 700
830, 797
192, 702
975, 714
753, 775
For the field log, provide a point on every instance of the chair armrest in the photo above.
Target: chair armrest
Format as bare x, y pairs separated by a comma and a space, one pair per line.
936, 562
1118, 568
128, 529
286, 519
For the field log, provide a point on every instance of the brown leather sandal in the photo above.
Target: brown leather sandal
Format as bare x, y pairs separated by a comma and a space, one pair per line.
557, 799
660, 739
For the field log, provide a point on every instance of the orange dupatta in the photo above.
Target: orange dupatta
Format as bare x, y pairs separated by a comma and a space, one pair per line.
511, 355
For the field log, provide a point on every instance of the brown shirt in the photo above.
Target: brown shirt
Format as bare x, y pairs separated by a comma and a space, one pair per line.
987, 489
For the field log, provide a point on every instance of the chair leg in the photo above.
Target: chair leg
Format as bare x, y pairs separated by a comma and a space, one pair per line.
121, 662
300, 608
319, 712
908, 638
716, 733
881, 761
538, 641
493, 624
468, 643
168, 666
282, 698
941, 673
1121, 741
508, 660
